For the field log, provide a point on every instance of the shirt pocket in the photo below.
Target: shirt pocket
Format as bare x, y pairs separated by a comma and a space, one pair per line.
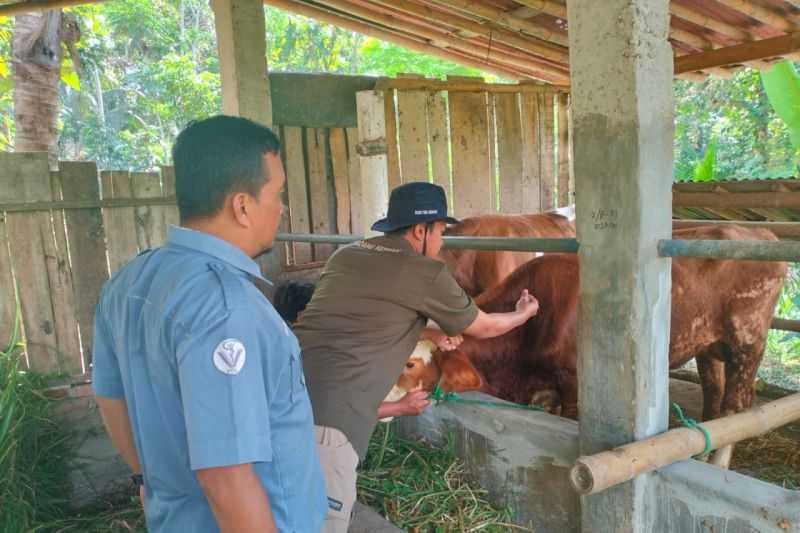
298, 385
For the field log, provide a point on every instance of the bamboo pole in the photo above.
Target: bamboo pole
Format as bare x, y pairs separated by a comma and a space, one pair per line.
493, 14
595, 473
510, 38
33, 6
390, 21
511, 244
307, 10
742, 53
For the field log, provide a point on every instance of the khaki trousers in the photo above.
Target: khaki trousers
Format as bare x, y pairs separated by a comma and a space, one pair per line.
339, 461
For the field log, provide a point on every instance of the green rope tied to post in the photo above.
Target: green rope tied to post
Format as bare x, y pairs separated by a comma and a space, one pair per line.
693, 424
437, 396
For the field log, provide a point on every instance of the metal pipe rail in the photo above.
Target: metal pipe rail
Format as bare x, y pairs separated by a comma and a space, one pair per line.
741, 250
510, 244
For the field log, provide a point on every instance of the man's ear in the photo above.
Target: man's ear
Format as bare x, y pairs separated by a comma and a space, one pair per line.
239, 202
458, 372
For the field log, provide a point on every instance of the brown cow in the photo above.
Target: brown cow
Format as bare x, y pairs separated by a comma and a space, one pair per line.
721, 313
477, 271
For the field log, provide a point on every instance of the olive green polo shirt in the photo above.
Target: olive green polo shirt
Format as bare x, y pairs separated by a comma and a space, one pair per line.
368, 310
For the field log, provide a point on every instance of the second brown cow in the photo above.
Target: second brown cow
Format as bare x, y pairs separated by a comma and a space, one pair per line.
721, 313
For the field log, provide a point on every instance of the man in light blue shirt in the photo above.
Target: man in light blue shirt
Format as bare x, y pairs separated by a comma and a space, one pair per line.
199, 381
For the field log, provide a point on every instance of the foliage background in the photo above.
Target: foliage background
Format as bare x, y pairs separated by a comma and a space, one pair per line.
149, 66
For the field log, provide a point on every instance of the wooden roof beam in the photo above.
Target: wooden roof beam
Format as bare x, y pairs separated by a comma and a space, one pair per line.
526, 44
742, 53
700, 19
33, 6
760, 13
484, 11
449, 40
690, 38
550, 7
417, 45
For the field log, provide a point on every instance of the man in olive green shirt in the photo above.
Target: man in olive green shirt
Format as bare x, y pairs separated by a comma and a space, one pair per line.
368, 311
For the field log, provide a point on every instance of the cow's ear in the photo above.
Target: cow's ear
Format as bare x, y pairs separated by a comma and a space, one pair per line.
458, 373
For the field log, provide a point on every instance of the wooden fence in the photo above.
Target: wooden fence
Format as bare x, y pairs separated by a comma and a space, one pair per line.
500, 148
494, 149
61, 235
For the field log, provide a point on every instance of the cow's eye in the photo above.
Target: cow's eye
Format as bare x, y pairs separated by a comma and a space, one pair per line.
409, 365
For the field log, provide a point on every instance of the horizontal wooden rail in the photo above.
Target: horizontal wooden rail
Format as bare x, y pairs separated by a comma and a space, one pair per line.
595, 473
784, 324
737, 200
86, 204
510, 244
743, 250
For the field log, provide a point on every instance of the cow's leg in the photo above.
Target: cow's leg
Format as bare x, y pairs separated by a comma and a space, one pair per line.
741, 367
568, 387
711, 369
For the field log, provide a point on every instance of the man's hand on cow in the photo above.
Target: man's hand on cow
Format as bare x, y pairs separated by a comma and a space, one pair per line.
446, 343
413, 403
527, 303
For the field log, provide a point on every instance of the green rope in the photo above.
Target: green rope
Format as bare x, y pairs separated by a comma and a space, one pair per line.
438, 396
693, 424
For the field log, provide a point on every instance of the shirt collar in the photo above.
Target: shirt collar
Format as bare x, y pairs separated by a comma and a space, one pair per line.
396, 242
215, 247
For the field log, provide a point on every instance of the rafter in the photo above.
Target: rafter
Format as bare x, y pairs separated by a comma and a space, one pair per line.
742, 53
526, 44
550, 7
449, 40
417, 45
482, 10
760, 13
700, 19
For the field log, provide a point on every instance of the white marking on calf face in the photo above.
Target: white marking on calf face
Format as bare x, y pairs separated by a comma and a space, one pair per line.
424, 351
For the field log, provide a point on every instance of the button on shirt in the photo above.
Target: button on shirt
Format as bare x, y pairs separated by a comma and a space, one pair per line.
212, 377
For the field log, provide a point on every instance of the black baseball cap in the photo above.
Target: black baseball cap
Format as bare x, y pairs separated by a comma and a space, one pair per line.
412, 203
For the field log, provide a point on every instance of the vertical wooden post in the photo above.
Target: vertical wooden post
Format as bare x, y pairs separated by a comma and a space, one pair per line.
242, 46
621, 67
564, 197
86, 237
372, 142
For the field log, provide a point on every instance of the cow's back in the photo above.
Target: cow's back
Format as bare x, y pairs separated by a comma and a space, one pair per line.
722, 300
477, 271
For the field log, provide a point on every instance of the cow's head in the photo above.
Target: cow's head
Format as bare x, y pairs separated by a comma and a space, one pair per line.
427, 366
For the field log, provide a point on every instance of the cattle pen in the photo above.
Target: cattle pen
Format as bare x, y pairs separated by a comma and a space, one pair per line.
588, 124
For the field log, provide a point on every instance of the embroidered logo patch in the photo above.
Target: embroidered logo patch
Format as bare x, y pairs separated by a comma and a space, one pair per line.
229, 356
336, 505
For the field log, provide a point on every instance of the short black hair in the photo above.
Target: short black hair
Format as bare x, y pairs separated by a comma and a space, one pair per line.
215, 157
291, 299
399, 232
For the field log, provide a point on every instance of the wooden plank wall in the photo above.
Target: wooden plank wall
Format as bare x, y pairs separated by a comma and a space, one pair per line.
59, 259
502, 151
323, 187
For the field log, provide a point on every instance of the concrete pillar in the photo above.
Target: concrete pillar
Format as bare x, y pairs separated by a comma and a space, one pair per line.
371, 148
621, 68
242, 45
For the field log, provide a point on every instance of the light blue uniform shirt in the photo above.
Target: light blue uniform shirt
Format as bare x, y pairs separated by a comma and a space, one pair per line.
212, 377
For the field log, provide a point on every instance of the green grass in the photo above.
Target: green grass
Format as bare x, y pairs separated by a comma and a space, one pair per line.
33, 449
423, 488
